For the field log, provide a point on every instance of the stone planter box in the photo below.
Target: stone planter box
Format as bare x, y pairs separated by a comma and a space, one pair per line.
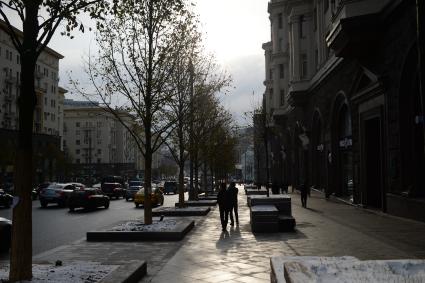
199, 203
282, 202
132, 272
187, 211
249, 192
177, 233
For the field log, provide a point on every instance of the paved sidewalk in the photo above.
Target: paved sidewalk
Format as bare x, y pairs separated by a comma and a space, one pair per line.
326, 228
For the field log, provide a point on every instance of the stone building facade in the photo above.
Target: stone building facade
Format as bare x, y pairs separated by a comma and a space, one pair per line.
48, 115
97, 143
342, 101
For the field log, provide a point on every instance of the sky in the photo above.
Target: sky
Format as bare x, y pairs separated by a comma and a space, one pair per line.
234, 31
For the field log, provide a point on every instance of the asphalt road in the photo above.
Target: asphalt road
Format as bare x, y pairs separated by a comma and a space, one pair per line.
54, 226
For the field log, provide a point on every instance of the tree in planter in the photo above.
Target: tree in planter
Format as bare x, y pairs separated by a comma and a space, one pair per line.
30, 43
181, 86
132, 69
208, 81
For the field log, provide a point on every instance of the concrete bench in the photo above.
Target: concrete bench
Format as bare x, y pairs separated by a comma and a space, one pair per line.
264, 218
255, 192
282, 202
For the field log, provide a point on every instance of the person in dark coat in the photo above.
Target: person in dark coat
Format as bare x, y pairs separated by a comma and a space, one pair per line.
304, 193
232, 193
223, 205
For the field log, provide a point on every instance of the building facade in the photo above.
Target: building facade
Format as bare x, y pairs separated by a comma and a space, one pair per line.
342, 101
97, 143
48, 116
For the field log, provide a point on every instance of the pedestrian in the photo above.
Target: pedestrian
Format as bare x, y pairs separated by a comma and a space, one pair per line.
223, 206
304, 193
232, 193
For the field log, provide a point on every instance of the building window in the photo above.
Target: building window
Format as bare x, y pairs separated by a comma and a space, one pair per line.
77, 124
282, 97
78, 161
99, 151
98, 160
280, 20
271, 74
303, 62
332, 5
77, 142
326, 5
280, 47
302, 26
281, 71
271, 94
77, 132
77, 151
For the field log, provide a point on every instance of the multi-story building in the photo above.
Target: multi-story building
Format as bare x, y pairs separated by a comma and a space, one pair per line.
48, 113
97, 143
342, 101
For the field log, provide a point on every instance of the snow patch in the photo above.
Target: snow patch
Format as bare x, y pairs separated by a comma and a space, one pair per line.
75, 272
139, 226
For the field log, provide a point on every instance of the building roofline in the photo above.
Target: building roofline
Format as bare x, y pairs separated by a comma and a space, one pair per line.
4, 27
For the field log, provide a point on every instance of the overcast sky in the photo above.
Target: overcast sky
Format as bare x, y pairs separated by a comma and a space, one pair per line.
235, 31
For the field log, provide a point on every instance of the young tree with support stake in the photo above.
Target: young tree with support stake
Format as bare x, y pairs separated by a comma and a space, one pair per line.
132, 71
40, 21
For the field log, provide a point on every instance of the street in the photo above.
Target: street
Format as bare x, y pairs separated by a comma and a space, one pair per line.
54, 226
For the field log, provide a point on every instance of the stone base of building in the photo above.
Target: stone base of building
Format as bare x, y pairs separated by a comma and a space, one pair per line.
406, 207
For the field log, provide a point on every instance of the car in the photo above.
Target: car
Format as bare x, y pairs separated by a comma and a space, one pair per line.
113, 179
157, 197
113, 190
6, 200
36, 190
87, 198
170, 187
133, 187
56, 193
5, 234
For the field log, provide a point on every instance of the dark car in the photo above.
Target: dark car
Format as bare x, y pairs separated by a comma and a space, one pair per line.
5, 199
56, 193
113, 190
36, 191
170, 187
113, 179
87, 198
5, 234
133, 187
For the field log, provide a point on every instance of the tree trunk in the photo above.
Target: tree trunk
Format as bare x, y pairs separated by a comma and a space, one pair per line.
181, 183
148, 178
21, 249
191, 189
204, 178
196, 165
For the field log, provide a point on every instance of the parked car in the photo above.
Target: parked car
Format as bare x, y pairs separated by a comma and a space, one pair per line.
87, 198
170, 187
113, 190
38, 188
113, 179
157, 197
5, 234
6, 200
56, 193
133, 187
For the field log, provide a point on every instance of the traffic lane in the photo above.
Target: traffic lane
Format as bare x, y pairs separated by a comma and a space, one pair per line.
54, 226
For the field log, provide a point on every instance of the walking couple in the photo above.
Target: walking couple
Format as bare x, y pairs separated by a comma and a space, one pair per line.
227, 199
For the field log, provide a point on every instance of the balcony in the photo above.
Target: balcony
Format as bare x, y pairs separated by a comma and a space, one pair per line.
356, 28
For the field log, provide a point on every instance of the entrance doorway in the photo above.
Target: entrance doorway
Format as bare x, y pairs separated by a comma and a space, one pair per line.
373, 163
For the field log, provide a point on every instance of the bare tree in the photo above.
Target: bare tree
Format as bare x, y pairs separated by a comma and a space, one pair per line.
132, 70
40, 20
181, 85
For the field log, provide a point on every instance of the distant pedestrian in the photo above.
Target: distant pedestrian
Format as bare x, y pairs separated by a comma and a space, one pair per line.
304, 193
223, 206
232, 193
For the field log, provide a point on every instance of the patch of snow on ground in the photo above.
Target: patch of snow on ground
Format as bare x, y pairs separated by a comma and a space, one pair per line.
187, 208
139, 226
75, 272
